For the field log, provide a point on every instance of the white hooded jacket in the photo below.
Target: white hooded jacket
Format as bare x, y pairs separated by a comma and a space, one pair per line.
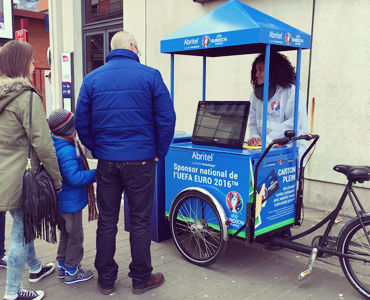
280, 116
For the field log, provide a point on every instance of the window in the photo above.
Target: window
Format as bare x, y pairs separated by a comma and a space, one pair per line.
102, 10
101, 20
97, 47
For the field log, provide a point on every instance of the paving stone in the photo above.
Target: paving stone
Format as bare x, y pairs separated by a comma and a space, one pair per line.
241, 273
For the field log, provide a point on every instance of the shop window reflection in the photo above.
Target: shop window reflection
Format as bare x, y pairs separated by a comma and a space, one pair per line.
94, 52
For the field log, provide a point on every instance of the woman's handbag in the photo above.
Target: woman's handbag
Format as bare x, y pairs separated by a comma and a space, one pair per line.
40, 200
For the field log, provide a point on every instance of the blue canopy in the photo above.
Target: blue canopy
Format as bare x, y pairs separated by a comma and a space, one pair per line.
234, 28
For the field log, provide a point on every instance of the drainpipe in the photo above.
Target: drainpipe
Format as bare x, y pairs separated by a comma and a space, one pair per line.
309, 63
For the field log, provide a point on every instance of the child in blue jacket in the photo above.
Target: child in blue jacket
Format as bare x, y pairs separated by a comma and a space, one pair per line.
77, 192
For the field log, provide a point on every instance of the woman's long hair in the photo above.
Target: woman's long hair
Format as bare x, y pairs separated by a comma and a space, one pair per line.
15, 59
281, 70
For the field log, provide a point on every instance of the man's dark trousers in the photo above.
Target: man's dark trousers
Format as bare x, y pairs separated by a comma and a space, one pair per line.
137, 179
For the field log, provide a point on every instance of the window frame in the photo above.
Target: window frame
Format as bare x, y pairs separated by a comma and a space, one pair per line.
100, 27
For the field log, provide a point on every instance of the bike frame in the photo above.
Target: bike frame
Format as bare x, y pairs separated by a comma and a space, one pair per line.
288, 242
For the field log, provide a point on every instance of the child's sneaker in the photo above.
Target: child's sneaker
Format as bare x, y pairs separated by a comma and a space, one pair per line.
4, 262
77, 276
61, 271
45, 271
29, 295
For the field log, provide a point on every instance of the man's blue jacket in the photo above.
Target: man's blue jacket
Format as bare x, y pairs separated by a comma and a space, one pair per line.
124, 111
75, 179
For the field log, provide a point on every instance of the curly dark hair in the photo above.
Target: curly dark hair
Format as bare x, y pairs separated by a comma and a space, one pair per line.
281, 70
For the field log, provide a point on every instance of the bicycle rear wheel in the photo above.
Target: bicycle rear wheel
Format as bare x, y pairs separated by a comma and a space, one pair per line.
353, 241
197, 229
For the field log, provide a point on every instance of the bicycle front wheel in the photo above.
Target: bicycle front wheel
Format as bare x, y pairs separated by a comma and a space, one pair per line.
353, 241
197, 229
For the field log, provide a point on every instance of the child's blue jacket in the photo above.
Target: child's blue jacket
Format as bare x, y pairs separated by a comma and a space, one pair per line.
75, 178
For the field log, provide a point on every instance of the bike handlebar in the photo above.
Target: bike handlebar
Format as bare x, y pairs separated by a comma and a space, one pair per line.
286, 140
289, 137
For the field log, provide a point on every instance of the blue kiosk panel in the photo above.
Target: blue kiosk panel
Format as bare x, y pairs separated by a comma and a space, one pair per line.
228, 175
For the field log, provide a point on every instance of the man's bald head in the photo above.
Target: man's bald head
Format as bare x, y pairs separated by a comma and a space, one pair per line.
122, 40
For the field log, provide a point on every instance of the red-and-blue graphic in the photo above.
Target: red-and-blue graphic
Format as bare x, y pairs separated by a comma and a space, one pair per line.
205, 41
288, 38
264, 195
234, 202
275, 105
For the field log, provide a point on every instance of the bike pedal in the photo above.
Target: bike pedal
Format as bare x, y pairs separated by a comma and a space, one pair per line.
304, 274
337, 221
311, 260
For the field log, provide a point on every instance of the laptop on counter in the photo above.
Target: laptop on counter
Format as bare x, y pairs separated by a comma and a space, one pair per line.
221, 123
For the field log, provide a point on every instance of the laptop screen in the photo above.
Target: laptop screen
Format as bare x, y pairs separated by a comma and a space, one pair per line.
221, 123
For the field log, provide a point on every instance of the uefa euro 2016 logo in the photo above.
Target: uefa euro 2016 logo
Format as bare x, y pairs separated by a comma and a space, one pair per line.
275, 105
234, 202
288, 38
205, 41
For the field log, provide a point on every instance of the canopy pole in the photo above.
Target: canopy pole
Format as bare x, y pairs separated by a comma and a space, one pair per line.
296, 99
265, 96
172, 77
204, 78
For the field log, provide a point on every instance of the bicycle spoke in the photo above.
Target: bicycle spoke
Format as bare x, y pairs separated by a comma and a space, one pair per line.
197, 229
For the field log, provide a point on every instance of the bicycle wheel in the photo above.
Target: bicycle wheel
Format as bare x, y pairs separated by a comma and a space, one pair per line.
197, 229
353, 241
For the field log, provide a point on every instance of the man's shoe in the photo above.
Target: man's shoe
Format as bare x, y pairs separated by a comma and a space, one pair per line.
155, 281
77, 276
45, 271
106, 291
29, 295
4, 262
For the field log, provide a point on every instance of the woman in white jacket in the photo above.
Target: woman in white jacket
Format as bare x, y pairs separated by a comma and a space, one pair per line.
280, 108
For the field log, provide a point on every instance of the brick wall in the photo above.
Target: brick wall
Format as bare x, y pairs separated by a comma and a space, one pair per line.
40, 43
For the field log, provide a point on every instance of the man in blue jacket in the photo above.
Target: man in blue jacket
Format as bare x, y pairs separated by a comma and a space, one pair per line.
125, 117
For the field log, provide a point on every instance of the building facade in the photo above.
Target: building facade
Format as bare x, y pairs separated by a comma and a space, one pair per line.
333, 73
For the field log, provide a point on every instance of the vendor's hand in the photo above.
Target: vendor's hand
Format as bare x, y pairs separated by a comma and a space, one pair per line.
59, 190
255, 142
156, 158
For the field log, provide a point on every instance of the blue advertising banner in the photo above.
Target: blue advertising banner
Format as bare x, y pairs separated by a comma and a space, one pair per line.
225, 175
229, 178
276, 194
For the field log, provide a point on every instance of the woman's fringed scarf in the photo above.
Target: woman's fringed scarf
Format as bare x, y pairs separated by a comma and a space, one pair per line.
93, 212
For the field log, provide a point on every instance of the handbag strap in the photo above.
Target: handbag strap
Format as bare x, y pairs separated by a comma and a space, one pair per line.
29, 135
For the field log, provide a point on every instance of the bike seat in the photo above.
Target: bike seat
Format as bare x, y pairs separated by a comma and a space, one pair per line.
354, 173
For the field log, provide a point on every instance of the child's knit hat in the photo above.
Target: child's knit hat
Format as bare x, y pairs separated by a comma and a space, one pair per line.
62, 123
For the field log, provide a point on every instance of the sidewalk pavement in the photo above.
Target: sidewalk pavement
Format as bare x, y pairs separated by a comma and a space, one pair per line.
241, 273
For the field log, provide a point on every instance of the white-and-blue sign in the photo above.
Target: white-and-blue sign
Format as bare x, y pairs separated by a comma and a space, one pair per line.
66, 89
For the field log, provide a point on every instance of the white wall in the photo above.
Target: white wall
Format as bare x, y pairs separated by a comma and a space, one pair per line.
65, 36
340, 86
339, 71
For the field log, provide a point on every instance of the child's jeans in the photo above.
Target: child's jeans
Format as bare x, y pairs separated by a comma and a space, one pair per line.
71, 239
2, 233
18, 254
